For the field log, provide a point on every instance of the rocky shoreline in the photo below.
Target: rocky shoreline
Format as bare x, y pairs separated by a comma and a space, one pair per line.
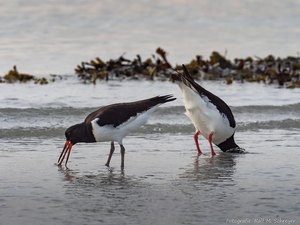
284, 72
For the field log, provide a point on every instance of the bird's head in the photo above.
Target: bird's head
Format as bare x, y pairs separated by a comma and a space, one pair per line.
74, 134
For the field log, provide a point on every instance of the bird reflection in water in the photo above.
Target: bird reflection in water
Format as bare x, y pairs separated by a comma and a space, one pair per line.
103, 179
221, 168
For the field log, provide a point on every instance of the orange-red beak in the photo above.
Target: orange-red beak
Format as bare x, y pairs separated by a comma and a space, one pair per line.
67, 148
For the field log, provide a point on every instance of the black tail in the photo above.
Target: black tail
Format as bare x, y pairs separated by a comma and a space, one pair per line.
188, 80
183, 77
162, 99
186, 75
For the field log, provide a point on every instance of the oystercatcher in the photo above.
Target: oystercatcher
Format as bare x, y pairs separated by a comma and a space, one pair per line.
210, 115
111, 123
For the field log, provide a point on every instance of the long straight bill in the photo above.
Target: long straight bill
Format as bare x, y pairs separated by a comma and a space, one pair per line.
67, 148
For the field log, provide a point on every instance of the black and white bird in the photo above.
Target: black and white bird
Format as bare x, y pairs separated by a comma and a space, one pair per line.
111, 123
210, 115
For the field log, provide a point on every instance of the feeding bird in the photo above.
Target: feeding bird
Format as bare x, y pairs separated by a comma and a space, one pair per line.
111, 123
210, 115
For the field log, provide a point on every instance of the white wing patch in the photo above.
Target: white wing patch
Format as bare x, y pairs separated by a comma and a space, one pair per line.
205, 116
111, 133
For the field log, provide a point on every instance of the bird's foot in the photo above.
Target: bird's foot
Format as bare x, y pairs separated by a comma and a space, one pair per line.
199, 152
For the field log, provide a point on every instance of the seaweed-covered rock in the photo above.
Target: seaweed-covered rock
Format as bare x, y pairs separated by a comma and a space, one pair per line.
121, 68
217, 58
14, 76
41, 81
284, 72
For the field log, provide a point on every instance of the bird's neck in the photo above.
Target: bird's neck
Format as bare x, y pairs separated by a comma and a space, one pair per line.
228, 144
86, 133
89, 133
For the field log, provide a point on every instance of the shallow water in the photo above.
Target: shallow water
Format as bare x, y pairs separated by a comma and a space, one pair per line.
164, 181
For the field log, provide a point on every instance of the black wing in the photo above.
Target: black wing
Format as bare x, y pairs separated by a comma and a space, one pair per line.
119, 113
188, 80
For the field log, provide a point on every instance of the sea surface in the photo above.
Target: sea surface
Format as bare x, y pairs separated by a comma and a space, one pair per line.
164, 181
54, 36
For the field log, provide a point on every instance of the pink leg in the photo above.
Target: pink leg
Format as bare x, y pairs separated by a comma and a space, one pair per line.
196, 141
210, 142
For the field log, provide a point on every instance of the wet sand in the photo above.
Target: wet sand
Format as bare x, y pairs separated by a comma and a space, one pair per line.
164, 182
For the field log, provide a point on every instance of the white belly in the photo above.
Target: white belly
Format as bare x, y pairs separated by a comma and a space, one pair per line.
205, 116
110, 133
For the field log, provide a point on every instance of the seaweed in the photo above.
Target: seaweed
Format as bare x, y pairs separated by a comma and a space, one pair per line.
284, 72
269, 70
14, 76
